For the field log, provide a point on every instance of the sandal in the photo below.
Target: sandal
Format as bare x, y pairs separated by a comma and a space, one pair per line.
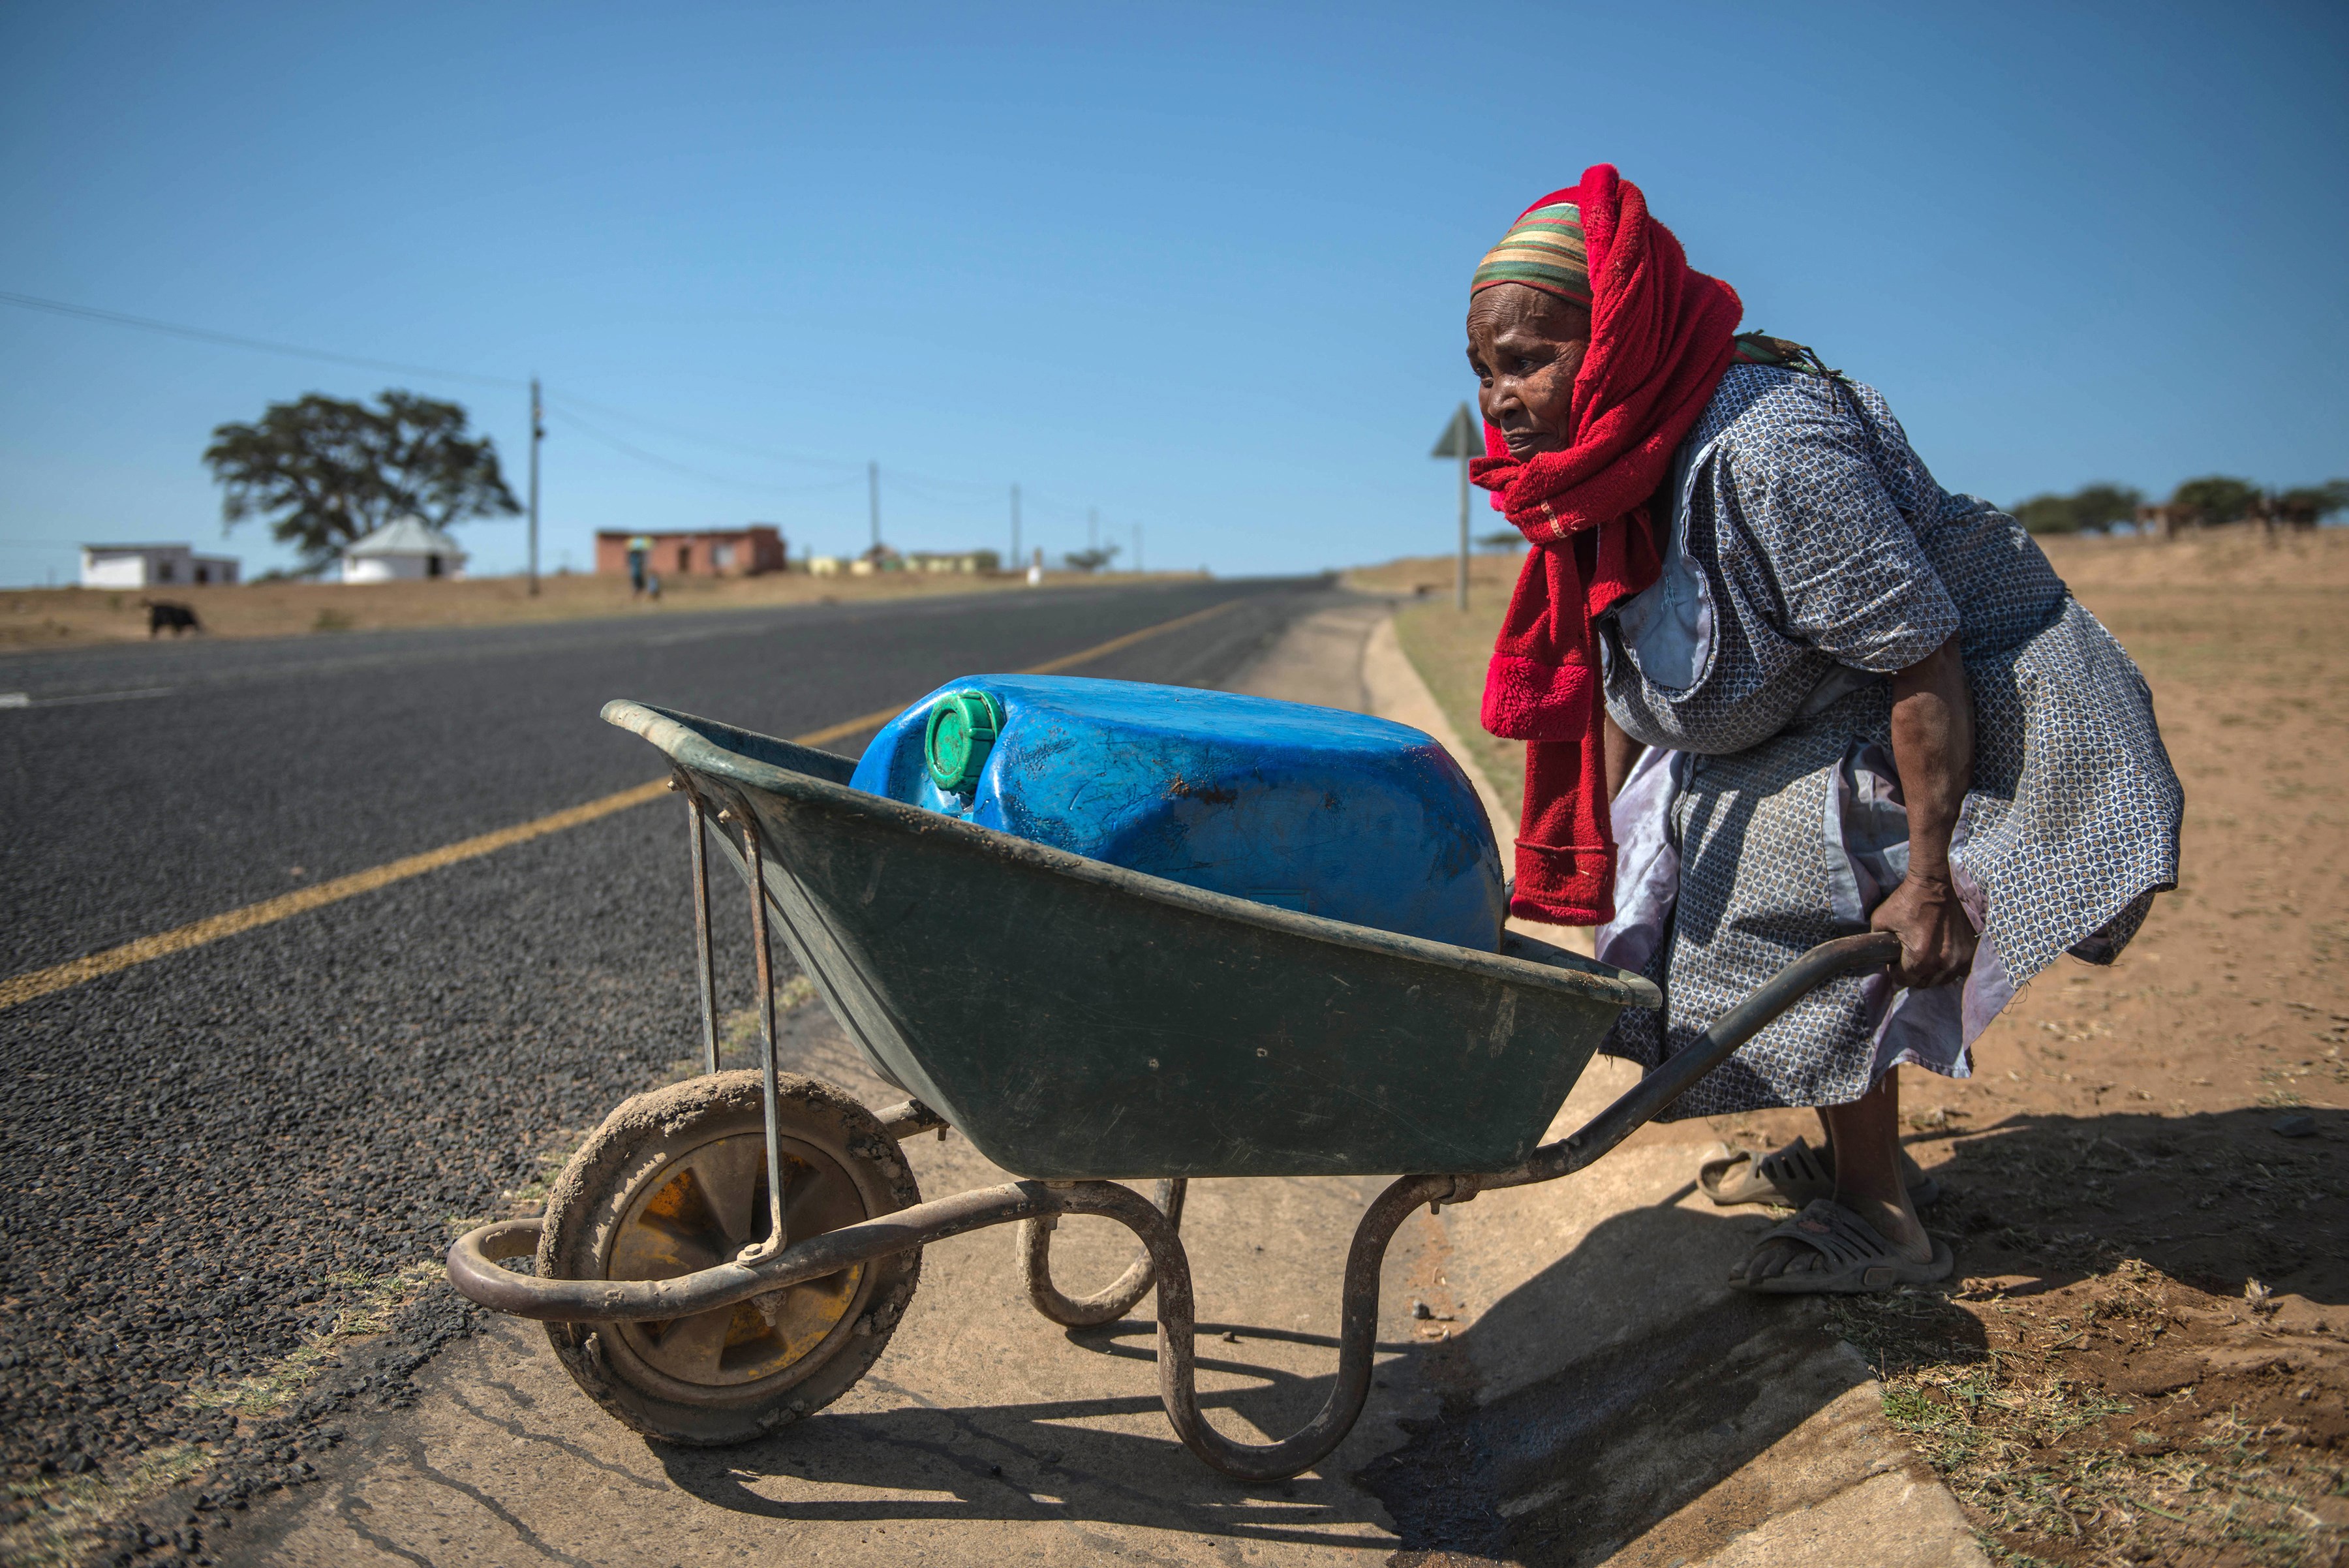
1796, 1174
1857, 1259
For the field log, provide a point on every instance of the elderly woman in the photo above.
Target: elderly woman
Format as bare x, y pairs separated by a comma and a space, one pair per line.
1822, 695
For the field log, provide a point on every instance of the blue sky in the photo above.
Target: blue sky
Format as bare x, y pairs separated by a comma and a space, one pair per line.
1200, 267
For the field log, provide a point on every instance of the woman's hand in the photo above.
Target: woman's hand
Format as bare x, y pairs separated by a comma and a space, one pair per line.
1937, 939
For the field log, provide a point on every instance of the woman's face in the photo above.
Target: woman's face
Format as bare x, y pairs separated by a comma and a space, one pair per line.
1525, 347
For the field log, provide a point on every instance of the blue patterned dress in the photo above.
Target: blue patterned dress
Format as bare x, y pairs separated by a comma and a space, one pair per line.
1810, 555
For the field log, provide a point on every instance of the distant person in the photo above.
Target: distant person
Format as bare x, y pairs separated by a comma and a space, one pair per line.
1823, 695
641, 554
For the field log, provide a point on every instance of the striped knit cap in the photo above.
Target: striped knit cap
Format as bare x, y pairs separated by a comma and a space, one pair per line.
1543, 250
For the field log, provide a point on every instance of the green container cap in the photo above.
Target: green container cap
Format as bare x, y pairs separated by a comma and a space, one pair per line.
962, 730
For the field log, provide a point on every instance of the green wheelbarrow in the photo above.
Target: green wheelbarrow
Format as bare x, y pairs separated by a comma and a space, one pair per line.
728, 1254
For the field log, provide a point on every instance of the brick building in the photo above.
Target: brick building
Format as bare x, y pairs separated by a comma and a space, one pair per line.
710, 551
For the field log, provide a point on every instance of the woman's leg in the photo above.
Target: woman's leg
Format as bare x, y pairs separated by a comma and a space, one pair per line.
1867, 1134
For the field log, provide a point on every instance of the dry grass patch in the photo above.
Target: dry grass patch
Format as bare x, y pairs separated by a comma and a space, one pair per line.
373, 1301
2013, 1402
57, 1521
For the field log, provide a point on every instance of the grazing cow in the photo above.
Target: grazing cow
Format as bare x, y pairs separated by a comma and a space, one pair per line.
163, 614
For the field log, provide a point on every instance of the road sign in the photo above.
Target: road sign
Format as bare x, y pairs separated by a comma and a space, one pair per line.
1464, 437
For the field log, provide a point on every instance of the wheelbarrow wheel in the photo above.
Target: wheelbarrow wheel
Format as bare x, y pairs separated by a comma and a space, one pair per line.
676, 1180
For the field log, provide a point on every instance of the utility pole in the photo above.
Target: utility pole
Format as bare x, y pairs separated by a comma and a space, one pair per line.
1014, 527
1092, 527
873, 488
1137, 547
1461, 439
1460, 574
537, 434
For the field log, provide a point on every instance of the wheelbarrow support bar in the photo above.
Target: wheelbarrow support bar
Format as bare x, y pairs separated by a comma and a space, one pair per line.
1679, 1072
473, 1260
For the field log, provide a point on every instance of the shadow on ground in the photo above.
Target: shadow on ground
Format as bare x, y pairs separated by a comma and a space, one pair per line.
1569, 1468
1035, 1462
2215, 1201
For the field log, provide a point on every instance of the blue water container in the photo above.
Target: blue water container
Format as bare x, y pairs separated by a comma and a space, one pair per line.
1331, 813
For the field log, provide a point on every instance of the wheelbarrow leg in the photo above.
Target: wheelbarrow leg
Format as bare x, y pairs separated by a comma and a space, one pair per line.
1034, 1240
762, 955
1178, 1324
701, 932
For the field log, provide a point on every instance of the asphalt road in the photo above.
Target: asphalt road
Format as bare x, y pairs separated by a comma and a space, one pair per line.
206, 1158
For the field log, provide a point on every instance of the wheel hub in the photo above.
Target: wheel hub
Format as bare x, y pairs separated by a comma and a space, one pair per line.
702, 1209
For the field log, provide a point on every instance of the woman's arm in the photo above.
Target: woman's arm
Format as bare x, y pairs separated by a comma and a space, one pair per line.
1624, 753
1933, 749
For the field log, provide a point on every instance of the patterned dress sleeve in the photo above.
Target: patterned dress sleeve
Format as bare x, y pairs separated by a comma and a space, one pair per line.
1838, 563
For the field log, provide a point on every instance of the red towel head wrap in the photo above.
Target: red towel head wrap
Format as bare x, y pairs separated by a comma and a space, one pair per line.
1660, 335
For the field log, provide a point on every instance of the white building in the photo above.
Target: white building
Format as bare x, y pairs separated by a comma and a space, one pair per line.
401, 551
151, 566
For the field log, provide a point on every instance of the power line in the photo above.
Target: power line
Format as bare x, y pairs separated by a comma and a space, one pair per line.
641, 455
771, 454
267, 346
235, 340
937, 495
988, 485
204, 335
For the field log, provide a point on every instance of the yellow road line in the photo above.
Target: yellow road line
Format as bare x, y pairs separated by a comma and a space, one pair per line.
212, 927
881, 716
1054, 666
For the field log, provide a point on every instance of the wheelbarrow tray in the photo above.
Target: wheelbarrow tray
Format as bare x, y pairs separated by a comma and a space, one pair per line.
1079, 1021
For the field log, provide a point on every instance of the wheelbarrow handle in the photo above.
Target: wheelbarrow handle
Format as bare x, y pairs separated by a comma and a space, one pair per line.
1679, 1072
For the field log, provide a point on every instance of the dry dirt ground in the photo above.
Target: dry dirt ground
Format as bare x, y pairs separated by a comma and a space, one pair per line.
2143, 1355
64, 617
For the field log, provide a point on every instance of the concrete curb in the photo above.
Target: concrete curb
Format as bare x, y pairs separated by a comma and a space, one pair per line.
1397, 692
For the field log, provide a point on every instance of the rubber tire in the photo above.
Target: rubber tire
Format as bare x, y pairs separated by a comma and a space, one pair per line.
636, 1142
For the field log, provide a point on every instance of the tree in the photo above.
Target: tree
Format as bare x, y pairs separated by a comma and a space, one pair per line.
2097, 506
2046, 515
2102, 505
1089, 560
2214, 499
2312, 503
1501, 539
327, 471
